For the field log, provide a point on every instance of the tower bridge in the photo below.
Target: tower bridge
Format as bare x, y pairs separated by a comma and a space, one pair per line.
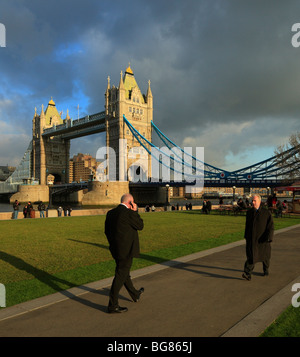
127, 118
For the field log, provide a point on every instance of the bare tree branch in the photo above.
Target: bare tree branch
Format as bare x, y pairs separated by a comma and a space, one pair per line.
289, 161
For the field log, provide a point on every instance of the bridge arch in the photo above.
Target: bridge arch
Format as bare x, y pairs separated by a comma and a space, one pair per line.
137, 173
54, 178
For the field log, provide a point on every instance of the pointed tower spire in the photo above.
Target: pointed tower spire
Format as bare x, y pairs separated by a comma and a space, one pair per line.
68, 116
128, 69
121, 84
106, 95
42, 120
121, 89
149, 92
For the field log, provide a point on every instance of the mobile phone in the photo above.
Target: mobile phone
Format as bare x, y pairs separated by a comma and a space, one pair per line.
131, 204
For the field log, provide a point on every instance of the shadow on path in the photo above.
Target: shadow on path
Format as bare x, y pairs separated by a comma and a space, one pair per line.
176, 264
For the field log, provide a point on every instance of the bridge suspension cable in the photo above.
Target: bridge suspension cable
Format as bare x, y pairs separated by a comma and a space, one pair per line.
188, 170
274, 166
211, 171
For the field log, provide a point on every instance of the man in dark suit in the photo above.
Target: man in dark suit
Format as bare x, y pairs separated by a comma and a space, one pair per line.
121, 229
259, 232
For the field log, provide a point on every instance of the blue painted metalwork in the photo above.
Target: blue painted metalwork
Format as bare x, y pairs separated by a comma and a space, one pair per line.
266, 172
147, 145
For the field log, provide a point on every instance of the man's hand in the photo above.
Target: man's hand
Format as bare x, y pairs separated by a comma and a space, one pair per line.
133, 206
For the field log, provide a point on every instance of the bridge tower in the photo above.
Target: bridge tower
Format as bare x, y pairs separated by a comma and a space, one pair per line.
50, 156
132, 161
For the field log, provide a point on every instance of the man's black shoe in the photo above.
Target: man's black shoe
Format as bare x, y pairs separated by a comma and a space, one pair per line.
266, 273
246, 276
116, 310
139, 295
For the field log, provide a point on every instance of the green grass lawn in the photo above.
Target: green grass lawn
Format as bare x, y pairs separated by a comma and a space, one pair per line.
41, 256
286, 325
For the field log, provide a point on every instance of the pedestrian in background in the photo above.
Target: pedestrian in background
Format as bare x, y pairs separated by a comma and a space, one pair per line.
41, 208
30, 210
16, 205
25, 211
259, 232
59, 211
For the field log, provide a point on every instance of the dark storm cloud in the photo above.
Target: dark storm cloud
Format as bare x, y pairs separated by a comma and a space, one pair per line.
212, 64
239, 63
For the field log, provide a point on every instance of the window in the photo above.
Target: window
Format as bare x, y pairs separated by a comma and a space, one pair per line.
130, 109
141, 111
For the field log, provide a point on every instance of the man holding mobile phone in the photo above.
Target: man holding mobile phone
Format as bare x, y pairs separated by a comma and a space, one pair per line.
121, 229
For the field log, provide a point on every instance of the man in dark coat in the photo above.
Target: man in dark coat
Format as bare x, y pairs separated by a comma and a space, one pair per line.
258, 234
121, 229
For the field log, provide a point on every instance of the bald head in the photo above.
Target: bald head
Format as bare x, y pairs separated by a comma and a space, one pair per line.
126, 198
128, 201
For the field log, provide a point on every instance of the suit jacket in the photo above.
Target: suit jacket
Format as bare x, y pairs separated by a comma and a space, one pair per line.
259, 232
121, 229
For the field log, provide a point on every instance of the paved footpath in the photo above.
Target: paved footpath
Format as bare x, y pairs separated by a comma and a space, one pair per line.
201, 295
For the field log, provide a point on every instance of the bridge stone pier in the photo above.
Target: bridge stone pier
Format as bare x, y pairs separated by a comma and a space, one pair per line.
108, 192
33, 193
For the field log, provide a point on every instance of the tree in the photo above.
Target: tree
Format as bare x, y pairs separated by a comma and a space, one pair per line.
288, 158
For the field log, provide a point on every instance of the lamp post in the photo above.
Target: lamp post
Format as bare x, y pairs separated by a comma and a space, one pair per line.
167, 196
233, 188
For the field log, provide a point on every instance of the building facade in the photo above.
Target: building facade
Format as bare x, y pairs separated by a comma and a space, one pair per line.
83, 167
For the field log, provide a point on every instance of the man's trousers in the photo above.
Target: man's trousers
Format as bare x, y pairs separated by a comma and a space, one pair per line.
249, 266
121, 278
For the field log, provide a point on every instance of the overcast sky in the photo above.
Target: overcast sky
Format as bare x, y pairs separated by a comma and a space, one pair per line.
224, 73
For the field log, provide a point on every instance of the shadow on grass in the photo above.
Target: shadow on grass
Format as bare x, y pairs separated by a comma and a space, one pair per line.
55, 283
59, 285
177, 264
